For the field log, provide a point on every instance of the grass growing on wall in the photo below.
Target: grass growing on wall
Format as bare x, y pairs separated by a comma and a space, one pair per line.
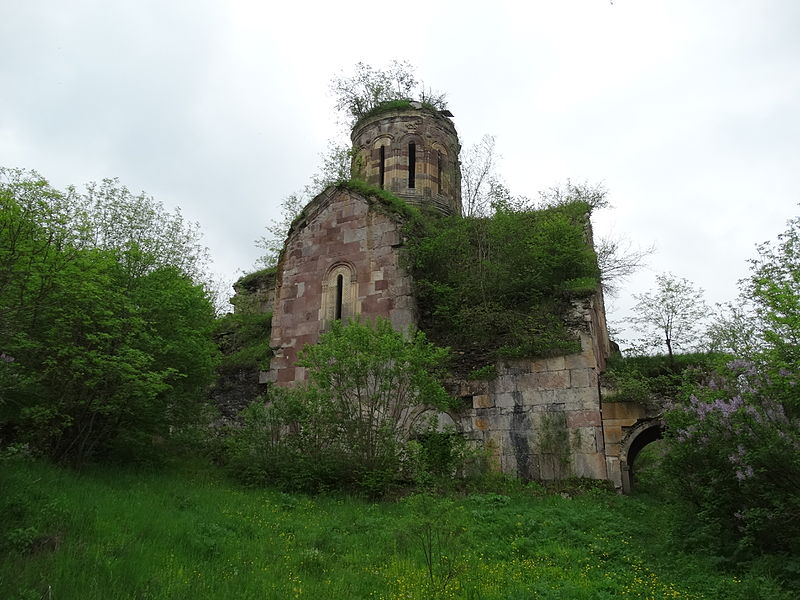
243, 339
495, 287
500, 286
191, 535
391, 105
657, 378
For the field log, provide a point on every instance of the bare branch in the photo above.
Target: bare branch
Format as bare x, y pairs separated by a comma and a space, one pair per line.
618, 259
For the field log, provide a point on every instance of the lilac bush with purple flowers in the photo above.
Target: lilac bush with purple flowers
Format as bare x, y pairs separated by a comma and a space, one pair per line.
735, 458
734, 443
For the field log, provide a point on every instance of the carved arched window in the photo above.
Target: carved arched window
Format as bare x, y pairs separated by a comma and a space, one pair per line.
339, 294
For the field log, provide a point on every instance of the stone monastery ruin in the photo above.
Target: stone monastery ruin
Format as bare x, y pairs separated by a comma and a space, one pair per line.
540, 419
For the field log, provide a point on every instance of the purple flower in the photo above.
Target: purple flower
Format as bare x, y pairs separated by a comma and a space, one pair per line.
747, 367
737, 458
6, 357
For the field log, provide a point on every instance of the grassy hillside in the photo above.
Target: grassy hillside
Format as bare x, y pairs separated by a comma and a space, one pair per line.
190, 534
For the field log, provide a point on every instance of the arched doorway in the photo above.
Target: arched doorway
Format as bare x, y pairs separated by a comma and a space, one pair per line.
642, 434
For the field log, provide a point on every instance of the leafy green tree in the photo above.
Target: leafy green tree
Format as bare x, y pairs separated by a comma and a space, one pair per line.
736, 329
115, 219
104, 343
372, 377
349, 425
775, 291
369, 87
734, 447
480, 184
671, 316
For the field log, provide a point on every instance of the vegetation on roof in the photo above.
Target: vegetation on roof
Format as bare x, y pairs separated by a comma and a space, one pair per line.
494, 287
243, 339
369, 89
384, 199
502, 286
402, 104
250, 280
654, 379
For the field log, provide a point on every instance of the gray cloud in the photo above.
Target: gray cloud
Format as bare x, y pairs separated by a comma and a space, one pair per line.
686, 110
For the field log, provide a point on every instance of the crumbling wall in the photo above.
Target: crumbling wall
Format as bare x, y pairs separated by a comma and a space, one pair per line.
541, 419
255, 292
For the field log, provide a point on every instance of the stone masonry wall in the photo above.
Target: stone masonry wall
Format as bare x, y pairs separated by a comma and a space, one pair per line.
620, 421
540, 419
340, 229
254, 293
438, 175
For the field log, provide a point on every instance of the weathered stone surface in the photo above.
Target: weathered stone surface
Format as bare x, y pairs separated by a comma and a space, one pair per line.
623, 410
503, 400
437, 181
482, 401
592, 466
584, 439
584, 418
556, 363
481, 423
552, 380
525, 395
581, 378
342, 233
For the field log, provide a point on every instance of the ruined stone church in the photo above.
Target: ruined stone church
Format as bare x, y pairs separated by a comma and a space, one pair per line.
539, 419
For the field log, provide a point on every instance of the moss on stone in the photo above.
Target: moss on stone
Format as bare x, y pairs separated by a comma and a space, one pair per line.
391, 105
250, 281
384, 198
501, 286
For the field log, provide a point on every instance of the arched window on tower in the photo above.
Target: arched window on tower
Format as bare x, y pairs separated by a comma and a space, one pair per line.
382, 167
412, 165
439, 173
339, 294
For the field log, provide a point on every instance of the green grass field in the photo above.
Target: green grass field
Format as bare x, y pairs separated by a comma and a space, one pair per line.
189, 533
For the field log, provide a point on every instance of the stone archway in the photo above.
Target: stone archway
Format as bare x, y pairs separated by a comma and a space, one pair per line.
639, 436
425, 416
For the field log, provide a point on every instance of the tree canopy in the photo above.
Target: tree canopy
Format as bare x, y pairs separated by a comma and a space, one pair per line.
670, 316
104, 328
369, 87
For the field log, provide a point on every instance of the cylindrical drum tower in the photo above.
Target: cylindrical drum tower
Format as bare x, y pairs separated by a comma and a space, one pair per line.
412, 152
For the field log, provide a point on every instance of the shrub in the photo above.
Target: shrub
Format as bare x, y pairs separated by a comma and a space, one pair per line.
734, 445
347, 428
500, 286
734, 459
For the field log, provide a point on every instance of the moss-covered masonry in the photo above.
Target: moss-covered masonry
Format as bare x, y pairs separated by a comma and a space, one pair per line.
381, 149
541, 419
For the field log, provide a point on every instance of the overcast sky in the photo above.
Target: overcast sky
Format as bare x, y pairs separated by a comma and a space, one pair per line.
688, 111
